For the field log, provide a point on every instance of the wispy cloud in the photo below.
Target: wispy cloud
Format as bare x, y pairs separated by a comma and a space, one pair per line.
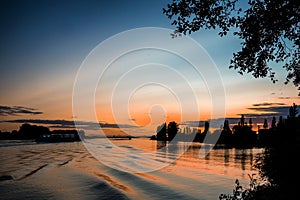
18, 110
70, 124
268, 104
267, 109
272, 109
285, 97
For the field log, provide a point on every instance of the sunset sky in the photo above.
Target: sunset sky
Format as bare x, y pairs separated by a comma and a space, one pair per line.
43, 44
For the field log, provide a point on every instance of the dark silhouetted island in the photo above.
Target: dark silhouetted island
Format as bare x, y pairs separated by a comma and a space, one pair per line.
41, 134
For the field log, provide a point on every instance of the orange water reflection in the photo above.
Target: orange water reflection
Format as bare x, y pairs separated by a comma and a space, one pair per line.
219, 160
68, 170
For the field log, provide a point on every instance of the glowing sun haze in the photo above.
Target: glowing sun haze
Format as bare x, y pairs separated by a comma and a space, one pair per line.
43, 44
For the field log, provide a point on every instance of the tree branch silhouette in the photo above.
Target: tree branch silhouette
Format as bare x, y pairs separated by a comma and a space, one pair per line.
269, 30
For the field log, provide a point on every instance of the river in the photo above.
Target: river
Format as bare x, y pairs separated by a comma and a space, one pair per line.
68, 171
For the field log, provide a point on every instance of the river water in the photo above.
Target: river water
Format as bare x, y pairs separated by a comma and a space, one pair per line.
68, 171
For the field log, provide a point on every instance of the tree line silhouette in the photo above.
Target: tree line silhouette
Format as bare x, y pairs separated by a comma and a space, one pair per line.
242, 134
40, 134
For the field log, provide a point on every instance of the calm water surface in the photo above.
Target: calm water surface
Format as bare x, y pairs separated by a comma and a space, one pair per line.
68, 171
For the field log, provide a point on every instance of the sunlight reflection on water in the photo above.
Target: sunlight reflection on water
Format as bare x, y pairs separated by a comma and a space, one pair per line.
67, 170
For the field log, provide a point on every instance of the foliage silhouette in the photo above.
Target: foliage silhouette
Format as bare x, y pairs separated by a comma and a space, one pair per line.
255, 191
226, 134
269, 30
172, 130
162, 132
41, 134
278, 164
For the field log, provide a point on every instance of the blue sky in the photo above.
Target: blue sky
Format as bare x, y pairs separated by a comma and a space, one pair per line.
43, 43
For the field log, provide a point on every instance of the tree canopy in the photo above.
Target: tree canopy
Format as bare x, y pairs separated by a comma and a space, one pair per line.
269, 30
